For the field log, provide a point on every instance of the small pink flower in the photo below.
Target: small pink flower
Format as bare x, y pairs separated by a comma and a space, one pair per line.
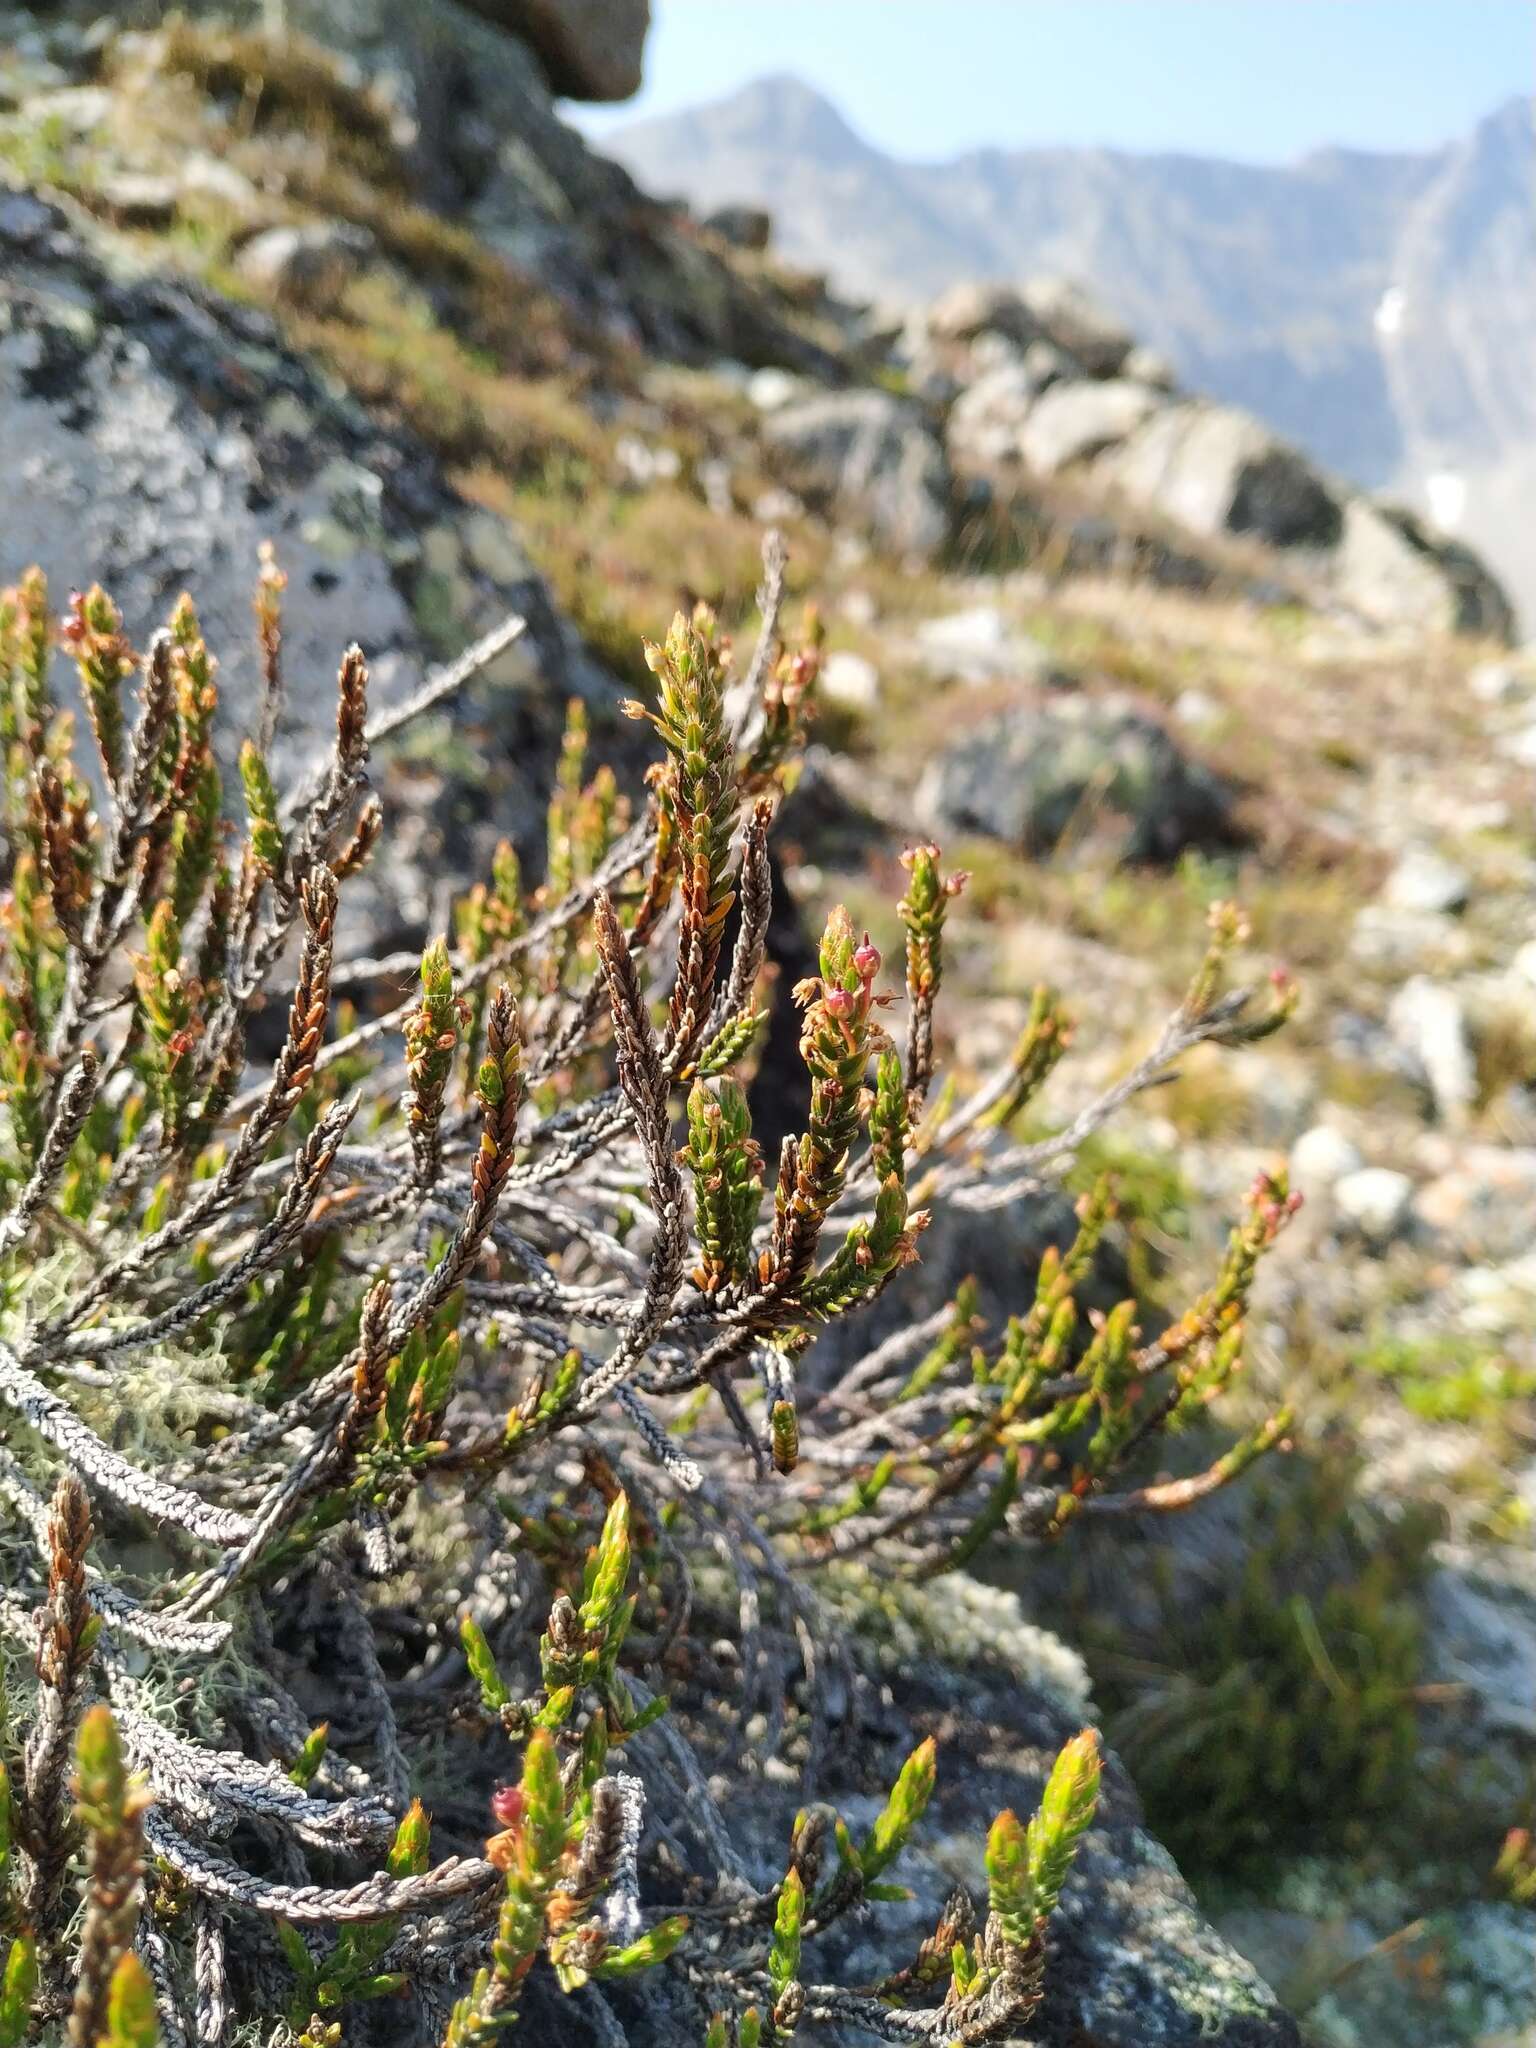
507, 1805
866, 959
838, 1003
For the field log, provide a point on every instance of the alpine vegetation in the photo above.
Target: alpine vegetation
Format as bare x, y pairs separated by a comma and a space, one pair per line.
385, 1428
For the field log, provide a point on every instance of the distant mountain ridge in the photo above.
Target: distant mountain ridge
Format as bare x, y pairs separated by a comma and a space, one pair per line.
1379, 309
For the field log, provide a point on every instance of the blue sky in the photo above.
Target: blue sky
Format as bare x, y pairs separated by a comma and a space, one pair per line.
1261, 80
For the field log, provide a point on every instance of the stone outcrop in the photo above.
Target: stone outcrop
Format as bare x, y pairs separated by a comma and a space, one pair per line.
1070, 317
1038, 378
1219, 471
158, 435
1132, 1965
1074, 420
590, 49
1394, 570
1041, 770
468, 109
874, 459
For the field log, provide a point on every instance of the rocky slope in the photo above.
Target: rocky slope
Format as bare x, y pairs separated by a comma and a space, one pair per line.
1376, 309
230, 305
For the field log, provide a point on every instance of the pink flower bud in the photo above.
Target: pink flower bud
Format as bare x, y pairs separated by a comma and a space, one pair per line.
507, 1805
838, 1003
866, 959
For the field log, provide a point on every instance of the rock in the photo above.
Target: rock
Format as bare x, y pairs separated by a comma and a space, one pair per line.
79, 109
1145, 366
1428, 1021
967, 311
1197, 708
1424, 880
826, 819
1295, 1953
1484, 1204
1499, 682
981, 644
851, 679
986, 421
1496, 1301
590, 49
494, 549
872, 457
201, 176
931, 383
770, 388
1028, 777
1375, 1199
309, 266
777, 508
139, 199
1394, 941
1132, 1965
646, 462
1321, 1157
981, 630
744, 227
1072, 421
158, 434
25, 221
1480, 1614
1393, 569
1279, 1102
480, 136
1216, 470
1460, 1979
1067, 315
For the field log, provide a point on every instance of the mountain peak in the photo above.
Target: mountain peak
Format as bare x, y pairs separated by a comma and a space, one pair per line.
1511, 126
1262, 285
775, 113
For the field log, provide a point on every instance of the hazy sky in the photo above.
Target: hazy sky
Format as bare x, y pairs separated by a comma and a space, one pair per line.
1258, 79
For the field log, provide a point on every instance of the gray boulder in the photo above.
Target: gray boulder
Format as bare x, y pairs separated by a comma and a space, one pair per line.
1072, 421
1429, 1021
744, 227
1146, 366
590, 49
139, 199
1395, 570
870, 457
156, 435
472, 112
967, 311
1424, 880
1131, 1964
986, 421
1461, 1978
1217, 470
981, 644
310, 267
1375, 1201
1066, 314
1029, 776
